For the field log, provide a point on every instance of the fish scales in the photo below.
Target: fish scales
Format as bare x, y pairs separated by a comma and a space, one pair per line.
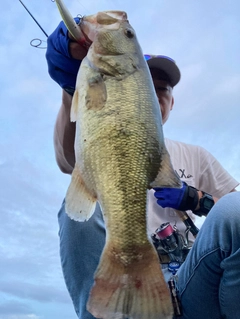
120, 154
122, 140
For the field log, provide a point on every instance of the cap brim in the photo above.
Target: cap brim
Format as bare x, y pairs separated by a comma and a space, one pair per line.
166, 65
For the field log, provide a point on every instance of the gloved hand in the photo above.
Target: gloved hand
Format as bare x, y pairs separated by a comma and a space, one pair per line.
185, 198
62, 67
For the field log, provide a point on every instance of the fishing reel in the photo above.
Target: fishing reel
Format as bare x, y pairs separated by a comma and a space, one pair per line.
171, 246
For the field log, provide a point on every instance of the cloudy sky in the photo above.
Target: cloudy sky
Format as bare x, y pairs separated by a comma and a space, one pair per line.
202, 36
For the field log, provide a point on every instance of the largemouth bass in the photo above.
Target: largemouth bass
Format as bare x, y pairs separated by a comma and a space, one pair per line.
120, 154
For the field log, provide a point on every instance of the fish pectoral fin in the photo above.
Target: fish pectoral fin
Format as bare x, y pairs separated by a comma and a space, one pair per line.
80, 203
96, 94
166, 177
134, 290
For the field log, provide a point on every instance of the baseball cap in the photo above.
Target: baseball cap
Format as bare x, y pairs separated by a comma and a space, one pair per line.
165, 64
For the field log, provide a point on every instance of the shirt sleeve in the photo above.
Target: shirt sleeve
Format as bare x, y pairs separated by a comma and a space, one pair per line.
214, 179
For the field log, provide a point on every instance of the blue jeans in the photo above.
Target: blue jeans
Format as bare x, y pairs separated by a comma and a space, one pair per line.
208, 281
81, 245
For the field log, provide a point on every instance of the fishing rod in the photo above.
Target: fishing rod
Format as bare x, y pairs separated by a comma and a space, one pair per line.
39, 40
34, 18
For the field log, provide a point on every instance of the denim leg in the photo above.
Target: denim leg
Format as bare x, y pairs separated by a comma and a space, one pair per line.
209, 280
81, 244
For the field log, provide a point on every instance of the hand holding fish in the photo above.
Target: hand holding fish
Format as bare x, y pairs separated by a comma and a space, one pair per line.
62, 47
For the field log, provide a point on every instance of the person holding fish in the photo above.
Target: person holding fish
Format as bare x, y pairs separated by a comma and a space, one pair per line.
116, 247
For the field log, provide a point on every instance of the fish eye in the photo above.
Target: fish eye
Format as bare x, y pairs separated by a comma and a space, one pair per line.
129, 33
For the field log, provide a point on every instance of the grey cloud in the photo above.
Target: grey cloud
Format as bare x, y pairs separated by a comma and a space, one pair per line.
41, 292
14, 307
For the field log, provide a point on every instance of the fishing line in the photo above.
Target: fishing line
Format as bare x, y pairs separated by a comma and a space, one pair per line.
86, 10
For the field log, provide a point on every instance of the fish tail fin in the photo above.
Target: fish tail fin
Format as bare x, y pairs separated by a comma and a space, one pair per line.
80, 203
166, 177
136, 290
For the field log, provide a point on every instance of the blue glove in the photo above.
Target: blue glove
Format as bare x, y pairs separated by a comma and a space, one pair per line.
185, 198
62, 67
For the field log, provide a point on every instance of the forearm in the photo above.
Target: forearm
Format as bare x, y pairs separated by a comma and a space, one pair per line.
64, 56
64, 136
215, 199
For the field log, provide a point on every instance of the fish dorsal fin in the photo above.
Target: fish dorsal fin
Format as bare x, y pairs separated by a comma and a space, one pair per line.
80, 203
166, 177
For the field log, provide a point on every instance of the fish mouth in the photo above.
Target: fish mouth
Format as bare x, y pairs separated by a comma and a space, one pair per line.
110, 17
85, 31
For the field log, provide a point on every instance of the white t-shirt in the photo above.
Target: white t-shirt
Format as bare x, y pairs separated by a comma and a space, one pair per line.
198, 168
